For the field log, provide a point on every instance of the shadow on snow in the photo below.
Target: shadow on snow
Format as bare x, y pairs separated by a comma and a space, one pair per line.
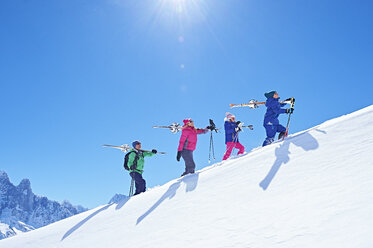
121, 203
305, 140
81, 223
191, 182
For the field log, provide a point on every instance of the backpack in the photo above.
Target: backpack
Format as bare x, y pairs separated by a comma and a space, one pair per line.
134, 165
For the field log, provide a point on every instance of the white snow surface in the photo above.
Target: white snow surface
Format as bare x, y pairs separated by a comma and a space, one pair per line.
315, 189
4, 228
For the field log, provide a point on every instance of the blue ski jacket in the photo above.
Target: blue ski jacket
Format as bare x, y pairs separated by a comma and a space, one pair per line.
230, 132
273, 111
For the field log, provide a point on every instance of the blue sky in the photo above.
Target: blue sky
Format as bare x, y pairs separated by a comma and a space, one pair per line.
78, 74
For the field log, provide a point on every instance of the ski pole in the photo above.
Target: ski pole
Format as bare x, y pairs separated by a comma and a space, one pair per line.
212, 127
211, 148
234, 143
235, 138
287, 126
131, 187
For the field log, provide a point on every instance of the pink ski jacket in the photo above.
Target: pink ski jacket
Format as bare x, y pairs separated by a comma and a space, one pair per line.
188, 139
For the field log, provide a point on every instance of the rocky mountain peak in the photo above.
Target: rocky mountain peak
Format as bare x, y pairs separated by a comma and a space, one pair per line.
3, 176
20, 208
24, 185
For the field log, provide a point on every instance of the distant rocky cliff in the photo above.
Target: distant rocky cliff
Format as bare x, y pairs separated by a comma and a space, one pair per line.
21, 210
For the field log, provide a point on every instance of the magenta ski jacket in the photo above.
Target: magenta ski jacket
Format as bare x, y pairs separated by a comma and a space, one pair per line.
188, 139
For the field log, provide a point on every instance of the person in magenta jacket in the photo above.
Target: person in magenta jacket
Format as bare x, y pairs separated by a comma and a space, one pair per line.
187, 145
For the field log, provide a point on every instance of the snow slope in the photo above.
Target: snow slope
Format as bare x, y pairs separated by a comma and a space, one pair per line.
312, 190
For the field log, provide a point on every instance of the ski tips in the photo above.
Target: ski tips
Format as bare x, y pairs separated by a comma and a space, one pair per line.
124, 148
174, 127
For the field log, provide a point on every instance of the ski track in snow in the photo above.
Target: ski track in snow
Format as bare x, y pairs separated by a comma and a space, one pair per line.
312, 190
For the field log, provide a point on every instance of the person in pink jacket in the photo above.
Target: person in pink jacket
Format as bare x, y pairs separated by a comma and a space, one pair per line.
187, 145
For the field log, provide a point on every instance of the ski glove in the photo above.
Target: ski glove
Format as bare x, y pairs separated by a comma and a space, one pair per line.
251, 127
178, 156
154, 151
289, 110
239, 126
212, 128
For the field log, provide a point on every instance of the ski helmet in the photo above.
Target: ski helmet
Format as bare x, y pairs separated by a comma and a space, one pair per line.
229, 115
135, 143
186, 121
270, 94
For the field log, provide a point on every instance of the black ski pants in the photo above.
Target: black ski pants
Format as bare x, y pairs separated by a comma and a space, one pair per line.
140, 183
190, 166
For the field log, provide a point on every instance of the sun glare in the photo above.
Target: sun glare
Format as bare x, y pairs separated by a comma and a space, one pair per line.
182, 8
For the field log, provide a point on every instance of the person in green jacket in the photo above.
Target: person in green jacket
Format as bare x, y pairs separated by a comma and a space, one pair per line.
136, 164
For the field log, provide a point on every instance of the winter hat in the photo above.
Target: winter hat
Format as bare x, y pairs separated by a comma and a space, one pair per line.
270, 94
229, 115
186, 121
135, 143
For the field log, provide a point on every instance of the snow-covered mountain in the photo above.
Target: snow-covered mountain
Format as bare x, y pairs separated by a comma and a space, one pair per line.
118, 198
312, 190
21, 210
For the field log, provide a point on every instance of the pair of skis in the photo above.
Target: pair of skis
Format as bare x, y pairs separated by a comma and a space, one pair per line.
174, 127
126, 148
251, 127
254, 104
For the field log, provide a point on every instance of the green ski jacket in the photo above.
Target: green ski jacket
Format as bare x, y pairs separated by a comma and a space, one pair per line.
140, 162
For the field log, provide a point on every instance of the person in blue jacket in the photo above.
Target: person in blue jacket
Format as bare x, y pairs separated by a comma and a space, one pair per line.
271, 123
232, 127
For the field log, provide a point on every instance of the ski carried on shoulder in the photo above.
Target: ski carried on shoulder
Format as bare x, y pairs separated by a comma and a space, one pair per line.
252, 104
126, 148
123, 148
174, 127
